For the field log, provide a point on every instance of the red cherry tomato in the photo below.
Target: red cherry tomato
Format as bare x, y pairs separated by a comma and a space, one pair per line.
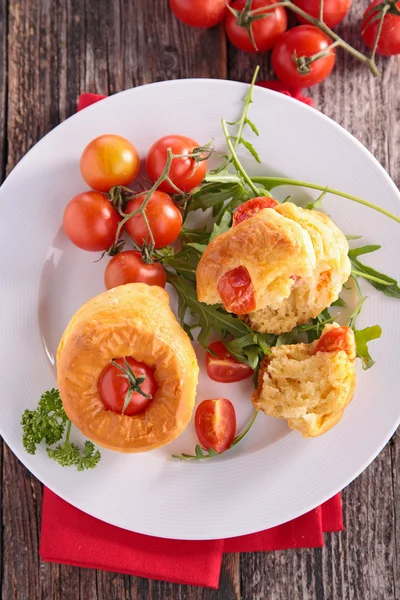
251, 208
199, 13
215, 423
109, 160
129, 267
90, 221
224, 367
265, 31
389, 40
340, 338
164, 219
334, 10
185, 173
305, 40
237, 291
113, 388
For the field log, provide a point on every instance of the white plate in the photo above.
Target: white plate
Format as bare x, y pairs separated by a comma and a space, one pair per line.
274, 475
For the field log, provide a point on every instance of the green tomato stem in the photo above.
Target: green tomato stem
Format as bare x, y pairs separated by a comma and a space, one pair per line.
271, 182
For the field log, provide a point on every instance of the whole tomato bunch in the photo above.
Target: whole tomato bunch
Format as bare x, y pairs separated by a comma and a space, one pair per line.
98, 219
303, 55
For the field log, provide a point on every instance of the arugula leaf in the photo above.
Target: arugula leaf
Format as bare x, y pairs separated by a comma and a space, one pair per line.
47, 423
251, 149
389, 286
362, 337
210, 317
224, 225
339, 302
211, 194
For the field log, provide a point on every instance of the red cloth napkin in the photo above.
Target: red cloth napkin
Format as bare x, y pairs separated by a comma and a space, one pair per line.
70, 536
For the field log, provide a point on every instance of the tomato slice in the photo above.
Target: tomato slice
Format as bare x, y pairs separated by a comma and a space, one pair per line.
340, 338
114, 386
237, 291
223, 367
215, 423
251, 208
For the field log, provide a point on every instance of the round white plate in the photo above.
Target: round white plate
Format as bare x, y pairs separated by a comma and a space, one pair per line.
274, 474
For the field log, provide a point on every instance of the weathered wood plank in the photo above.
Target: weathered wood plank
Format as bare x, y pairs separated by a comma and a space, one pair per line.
3, 152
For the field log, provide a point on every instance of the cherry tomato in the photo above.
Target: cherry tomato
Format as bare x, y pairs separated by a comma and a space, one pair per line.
237, 291
184, 172
90, 221
340, 338
334, 10
224, 367
251, 208
389, 40
129, 267
199, 13
215, 423
113, 388
265, 31
305, 40
109, 160
164, 219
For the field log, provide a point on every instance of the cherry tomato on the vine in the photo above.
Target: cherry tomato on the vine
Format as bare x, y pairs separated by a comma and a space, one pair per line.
334, 10
165, 220
109, 160
113, 387
265, 31
389, 40
186, 173
237, 292
90, 221
224, 367
129, 267
199, 13
251, 208
340, 338
215, 422
302, 41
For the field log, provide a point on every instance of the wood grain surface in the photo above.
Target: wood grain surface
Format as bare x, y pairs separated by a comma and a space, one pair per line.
50, 52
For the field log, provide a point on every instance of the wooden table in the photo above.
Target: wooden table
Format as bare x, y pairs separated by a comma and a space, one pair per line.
50, 52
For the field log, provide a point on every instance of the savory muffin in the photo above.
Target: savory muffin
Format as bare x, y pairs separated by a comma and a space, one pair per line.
309, 385
132, 321
275, 252
314, 293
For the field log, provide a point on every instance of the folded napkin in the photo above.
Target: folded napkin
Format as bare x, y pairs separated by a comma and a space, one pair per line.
70, 536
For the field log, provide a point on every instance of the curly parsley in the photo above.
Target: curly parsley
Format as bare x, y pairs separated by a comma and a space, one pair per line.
49, 423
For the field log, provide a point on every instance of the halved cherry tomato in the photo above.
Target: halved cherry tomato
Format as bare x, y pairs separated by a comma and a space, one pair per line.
265, 31
129, 267
334, 10
185, 172
165, 220
237, 291
304, 40
215, 423
340, 338
389, 40
90, 221
109, 160
224, 367
113, 387
199, 13
251, 208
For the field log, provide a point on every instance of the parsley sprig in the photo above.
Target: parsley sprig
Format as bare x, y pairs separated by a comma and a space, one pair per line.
48, 423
